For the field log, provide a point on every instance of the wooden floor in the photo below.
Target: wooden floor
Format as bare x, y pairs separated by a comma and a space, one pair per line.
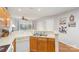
66, 48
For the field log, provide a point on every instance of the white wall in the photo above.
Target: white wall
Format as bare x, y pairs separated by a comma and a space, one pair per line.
72, 36
15, 21
45, 24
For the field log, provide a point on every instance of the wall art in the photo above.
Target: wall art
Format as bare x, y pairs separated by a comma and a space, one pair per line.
71, 22
62, 21
63, 25
63, 29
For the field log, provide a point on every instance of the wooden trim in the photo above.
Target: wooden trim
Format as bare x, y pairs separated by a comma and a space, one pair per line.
14, 45
67, 48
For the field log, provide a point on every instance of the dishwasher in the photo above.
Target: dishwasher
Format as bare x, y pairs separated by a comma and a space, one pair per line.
22, 44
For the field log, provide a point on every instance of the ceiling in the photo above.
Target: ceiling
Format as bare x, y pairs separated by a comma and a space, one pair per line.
37, 12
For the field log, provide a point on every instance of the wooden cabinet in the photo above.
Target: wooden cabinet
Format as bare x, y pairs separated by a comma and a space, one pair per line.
51, 45
33, 44
4, 17
42, 44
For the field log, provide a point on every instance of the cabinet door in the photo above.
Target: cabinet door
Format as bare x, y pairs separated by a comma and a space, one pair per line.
33, 44
51, 45
42, 45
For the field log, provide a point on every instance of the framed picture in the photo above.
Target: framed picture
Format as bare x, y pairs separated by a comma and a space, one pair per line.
71, 18
72, 22
62, 21
63, 25
63, 29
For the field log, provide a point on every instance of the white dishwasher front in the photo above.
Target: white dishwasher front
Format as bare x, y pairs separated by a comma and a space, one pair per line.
22, 44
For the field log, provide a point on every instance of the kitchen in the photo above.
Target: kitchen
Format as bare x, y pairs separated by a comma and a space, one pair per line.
35, 29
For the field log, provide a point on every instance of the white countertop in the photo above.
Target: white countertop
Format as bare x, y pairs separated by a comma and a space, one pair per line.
53, 36
17, 34
12, 36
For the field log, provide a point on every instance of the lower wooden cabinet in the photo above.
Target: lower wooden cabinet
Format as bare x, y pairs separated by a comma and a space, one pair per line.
33, 44
42, 44
51, 45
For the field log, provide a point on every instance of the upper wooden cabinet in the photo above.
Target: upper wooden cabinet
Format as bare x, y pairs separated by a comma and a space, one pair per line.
4, 13
4, 17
